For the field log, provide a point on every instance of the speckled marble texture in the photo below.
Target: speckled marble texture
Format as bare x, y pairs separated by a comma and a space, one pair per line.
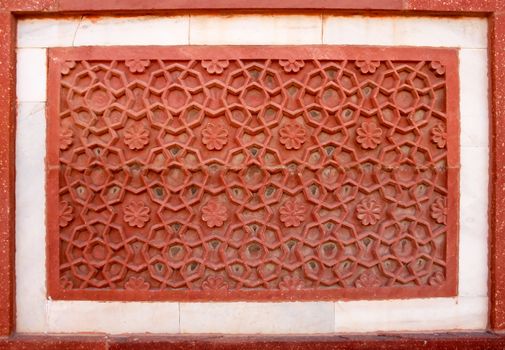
7, 146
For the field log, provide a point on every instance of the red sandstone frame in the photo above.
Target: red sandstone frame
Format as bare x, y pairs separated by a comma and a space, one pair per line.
65, 263
493, 10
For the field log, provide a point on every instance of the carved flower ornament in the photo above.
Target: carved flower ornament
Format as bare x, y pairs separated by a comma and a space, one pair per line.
368, 67
66, 213
437, 67
137, 66
136, 137
136, 214
215, 66
214, 283
368, 279
214, 136
214, 214
439, 136
66, 138
439, 210
292, 136
368, 211
291, 66
136, 283
292, 213
291, 283
368, 135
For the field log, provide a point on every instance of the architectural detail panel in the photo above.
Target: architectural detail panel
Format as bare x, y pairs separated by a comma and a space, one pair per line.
252, 173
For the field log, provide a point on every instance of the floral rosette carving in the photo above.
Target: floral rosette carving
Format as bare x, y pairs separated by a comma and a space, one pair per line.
439, 210
437, 67
136, 214
368, 279
215, 283
137, 66
67, 66
214, 214
65, 283
214, 136
291, 66
368, 135
215, 66
367, 67
439, 136
291, 283
136, 284
136, 137
436, 279
66, 213
292, 135
292, 213
368, 212
66, 138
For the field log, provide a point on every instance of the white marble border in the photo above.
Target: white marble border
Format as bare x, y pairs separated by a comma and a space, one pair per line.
36, 314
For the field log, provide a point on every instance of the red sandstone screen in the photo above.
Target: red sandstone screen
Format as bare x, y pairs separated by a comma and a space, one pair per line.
252, 173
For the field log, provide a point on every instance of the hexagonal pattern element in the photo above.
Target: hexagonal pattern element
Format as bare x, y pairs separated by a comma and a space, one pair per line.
252, 173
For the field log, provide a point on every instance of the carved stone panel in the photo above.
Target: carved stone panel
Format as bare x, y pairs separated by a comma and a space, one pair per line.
252, 173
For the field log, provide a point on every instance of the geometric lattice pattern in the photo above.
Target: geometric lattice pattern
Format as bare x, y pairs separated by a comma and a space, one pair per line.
248, 176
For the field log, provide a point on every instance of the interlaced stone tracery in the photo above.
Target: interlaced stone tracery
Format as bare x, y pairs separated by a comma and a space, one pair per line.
236, 175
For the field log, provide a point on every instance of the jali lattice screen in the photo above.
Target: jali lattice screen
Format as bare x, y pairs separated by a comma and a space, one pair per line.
252, 173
